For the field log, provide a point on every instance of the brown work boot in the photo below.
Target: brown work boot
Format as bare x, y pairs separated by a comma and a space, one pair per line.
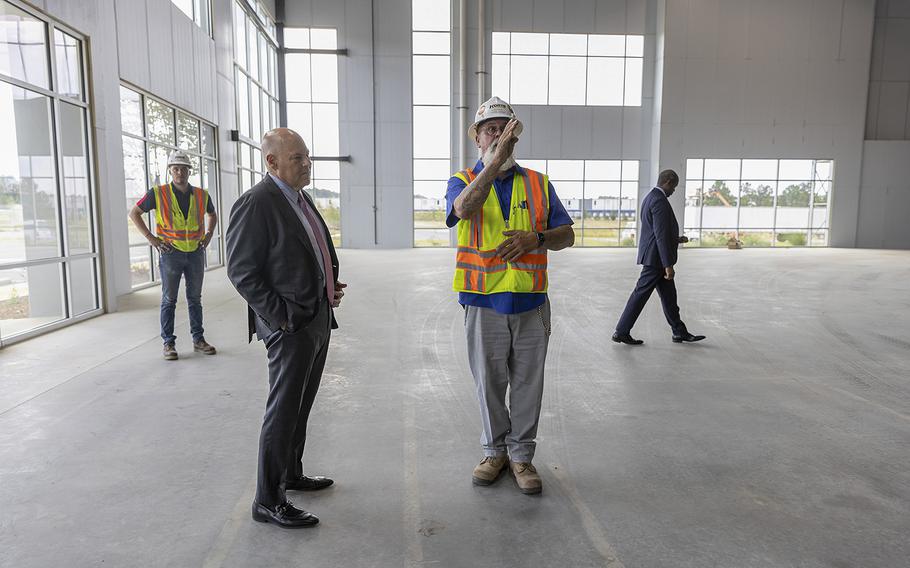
489, 469
170, 352
202, 346
526, 477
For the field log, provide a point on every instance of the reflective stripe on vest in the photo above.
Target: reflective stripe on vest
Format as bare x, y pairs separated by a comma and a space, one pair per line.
184, 233
478, 268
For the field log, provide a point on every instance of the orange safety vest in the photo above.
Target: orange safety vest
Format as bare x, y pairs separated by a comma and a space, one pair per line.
184, 233
478, 268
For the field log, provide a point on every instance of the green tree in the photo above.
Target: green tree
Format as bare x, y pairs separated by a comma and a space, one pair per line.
796, 195
761, 196
719, 194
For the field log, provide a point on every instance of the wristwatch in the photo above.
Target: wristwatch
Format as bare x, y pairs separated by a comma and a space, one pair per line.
540, 239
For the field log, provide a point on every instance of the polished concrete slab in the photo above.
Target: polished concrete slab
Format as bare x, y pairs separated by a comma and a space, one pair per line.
782, 440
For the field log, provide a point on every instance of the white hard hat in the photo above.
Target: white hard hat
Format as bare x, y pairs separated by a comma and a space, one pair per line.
179, 158
494, 108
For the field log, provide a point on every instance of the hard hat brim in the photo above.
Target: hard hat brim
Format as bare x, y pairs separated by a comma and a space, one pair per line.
472, 130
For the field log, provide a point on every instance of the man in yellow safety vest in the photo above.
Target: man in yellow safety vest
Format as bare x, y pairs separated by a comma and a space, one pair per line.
185, 220
508, 217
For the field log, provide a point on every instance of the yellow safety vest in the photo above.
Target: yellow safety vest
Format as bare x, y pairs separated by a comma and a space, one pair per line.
478, 268
183, 233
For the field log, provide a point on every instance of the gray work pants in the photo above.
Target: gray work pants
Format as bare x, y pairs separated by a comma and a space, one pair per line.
508, 352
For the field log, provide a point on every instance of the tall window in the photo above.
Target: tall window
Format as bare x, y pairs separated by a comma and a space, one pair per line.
256, 84
601, 196
151, 130
431, 79
780, 203
200, 11
311, 80
568, 69
48, 246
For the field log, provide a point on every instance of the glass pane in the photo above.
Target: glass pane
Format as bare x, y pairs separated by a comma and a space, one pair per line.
325, 90
140, 265
606, 170
759, 169
76, 203
756, 239
159, 120
210, 180
794, 194
572, 195
431, 132
793, 209
822, 189
632, 88
566, 170
300, 119
187, 132
255, 113
695, 169
213, 254
568, 44
536, 165
819, 217
630, 170
157, 165
694, 193
528, 80
131, 111
135, 183
429, 204
819, 238
82, 285
208, 140
68, 52
253, 47
323, 38
824, 170
431, 43
329, 169
327, 196
635, 46
297, 77
757, 205
325, 130
431, 170
530, 43
791, 238
240, 35
23, 46
500, 79
195, 178
243, 104
431, 237
244, 155
796, 170
431, 80
28, 183
297, 38
719, 210
567, 80
605, 81
431, 15
31, 297
722, 169
501, 43
263, 61
609, 45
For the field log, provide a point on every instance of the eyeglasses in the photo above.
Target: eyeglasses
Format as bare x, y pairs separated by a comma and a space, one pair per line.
493, 129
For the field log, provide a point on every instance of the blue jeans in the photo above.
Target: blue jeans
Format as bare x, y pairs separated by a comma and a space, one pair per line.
173, 265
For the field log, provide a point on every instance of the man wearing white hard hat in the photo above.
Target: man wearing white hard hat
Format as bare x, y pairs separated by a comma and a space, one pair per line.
185, 220
508, 217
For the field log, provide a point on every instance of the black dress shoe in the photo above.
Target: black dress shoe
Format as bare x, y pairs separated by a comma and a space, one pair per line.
687, 338
304, 483
626, 338
285, 515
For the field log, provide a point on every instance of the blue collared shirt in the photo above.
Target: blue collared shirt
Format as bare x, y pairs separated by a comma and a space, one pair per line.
504, 302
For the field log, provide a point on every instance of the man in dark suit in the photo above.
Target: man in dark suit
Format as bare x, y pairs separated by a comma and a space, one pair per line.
280, 258
657, 246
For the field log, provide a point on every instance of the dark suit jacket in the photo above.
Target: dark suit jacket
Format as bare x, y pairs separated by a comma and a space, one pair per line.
271, 261
658, 241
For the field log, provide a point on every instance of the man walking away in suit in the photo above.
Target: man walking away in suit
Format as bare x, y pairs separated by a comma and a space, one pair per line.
657, 253
280, 258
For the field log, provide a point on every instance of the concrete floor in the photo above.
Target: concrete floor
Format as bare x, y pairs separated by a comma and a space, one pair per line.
783, 440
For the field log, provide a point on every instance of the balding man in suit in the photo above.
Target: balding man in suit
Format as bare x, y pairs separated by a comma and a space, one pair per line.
657, 253
280, 258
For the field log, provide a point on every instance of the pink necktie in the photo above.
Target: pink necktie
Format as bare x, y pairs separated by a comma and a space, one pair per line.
319, 235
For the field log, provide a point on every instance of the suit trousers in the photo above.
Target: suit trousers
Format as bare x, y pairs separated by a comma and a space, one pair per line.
508, 352
652, 277
296, 361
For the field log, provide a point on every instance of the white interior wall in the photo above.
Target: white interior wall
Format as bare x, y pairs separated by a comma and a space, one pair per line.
752, 79
885, 195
